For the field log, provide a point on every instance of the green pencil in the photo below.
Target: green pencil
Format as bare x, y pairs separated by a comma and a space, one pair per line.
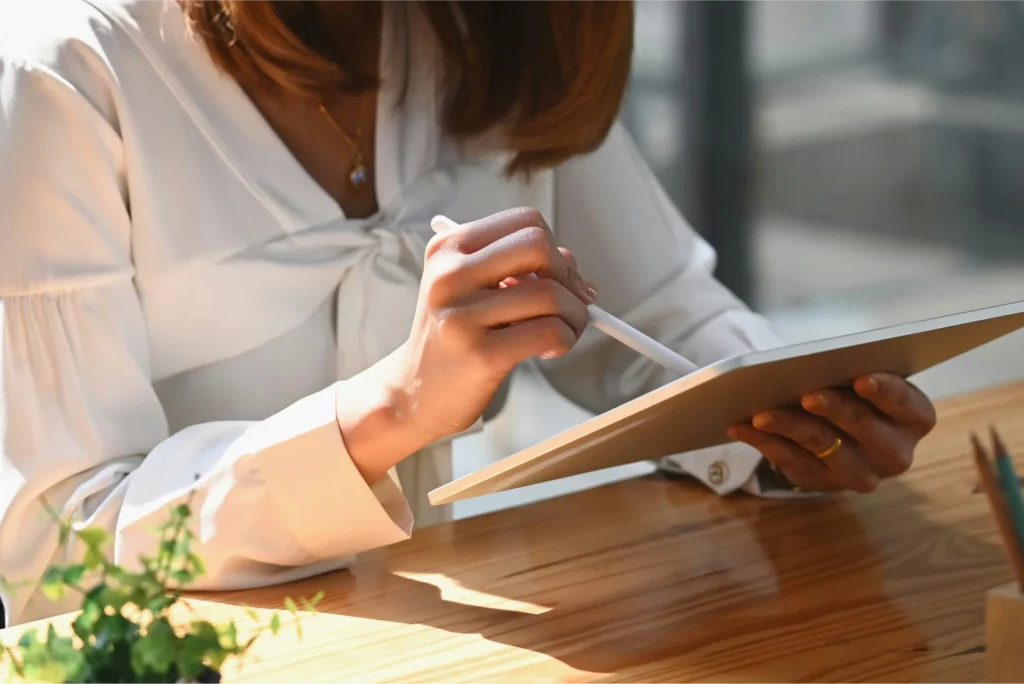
1010, 485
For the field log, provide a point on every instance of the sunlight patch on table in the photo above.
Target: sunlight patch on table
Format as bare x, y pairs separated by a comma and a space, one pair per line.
454, 592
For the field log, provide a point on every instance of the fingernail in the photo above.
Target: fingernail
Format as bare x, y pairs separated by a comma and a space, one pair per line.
590, 291
817, 402
762, 421
871, 386
549, 355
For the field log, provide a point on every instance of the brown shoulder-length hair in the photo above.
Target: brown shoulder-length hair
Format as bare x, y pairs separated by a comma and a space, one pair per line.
546, 75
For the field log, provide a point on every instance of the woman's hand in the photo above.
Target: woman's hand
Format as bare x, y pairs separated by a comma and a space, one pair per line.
879, 422
477, 317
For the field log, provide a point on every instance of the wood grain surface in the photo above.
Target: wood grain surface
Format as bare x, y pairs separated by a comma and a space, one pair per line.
656, 579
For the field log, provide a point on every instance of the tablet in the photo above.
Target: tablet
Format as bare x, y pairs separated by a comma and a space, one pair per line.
694, 412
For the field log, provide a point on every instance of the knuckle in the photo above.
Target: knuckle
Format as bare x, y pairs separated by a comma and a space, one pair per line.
441, 281
897, 462
782, 456
576, 312
548, 294
819, 439
888, 452
864, 484
777, 421
887, 387
538, 241
569, 257
929, 417
531, 215
858, 415
557, 336
436, 245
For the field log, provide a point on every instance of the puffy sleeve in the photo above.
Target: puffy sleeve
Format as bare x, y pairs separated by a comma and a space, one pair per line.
81, 428
653, 271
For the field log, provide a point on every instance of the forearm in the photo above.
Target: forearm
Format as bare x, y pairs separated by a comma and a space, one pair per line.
375, 415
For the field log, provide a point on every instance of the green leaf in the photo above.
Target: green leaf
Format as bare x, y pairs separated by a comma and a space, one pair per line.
290, 606
94, 559
53, 583
158, 604
54, 592
311, 604
64, 534
113, 597
182, 577
93, 537
198, 566
62, 651
231, 634
183, 511
73, 574
191, 654
275, 624
166, 551
85, 623
28, 638
182, 547
216, 660
206, 633
157, 650
112, 628
253, 615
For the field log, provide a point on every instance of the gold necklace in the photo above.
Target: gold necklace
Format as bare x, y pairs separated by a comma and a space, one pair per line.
359, 174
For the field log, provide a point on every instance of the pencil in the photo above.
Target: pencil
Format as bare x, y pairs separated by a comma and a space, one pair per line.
997, 502
1010, 485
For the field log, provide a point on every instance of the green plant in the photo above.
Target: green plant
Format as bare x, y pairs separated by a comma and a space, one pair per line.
124, 631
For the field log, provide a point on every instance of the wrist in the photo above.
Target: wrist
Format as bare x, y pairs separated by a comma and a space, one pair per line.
374, 415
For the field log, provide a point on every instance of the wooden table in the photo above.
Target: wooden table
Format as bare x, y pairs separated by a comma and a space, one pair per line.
655, 580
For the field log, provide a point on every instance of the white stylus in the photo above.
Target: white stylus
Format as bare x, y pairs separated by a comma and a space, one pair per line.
611, 326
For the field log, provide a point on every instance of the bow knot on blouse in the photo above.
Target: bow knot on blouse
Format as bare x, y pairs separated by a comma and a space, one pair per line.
371, 266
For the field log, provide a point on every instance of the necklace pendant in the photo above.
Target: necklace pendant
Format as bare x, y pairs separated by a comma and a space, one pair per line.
359, 175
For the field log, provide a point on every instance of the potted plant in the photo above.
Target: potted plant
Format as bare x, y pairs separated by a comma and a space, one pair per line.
124, 631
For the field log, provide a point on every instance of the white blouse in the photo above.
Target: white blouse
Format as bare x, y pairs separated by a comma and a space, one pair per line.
181, 303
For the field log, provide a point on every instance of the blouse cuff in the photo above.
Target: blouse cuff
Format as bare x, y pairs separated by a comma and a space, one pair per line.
732, 467
724, 469
327, 503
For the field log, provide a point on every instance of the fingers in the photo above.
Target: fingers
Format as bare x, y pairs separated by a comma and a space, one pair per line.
815, 435
898, 399
528, 250
547, 337
475, 235
885, 446
879, 422
528, 299
507, 245
569, 257
792, 460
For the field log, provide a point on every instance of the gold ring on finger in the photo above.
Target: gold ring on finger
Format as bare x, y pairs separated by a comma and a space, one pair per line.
833, 448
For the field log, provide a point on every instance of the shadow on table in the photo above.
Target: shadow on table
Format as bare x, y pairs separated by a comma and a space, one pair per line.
706, 589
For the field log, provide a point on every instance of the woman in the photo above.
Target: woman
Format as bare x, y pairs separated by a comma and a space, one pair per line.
218, 276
